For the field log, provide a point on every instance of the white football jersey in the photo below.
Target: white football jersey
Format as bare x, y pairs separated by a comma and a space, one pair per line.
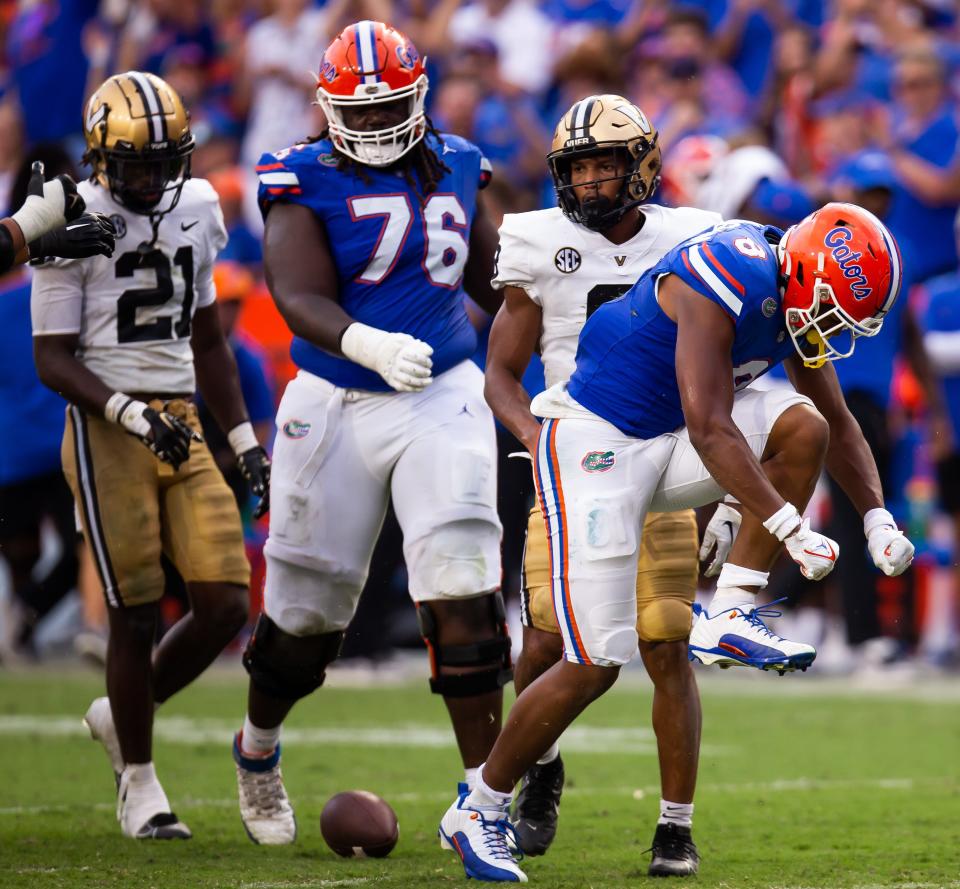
133, 311
569, 270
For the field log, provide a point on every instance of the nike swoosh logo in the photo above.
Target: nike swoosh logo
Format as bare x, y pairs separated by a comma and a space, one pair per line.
185, 227
831, 556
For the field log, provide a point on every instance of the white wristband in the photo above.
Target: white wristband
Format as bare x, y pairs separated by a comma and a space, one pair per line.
127, 412
38, 215
360, 343
876, 518
783, 522
242, 439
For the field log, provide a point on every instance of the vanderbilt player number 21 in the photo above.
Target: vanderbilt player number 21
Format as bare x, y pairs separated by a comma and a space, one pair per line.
126, 340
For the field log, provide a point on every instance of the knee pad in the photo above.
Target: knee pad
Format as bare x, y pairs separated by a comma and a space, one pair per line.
488, 659
664, 619
288, 667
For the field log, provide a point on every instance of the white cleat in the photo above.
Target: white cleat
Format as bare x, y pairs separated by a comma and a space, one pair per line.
738, 637
483, 838
265, 808
143, 809
99, 721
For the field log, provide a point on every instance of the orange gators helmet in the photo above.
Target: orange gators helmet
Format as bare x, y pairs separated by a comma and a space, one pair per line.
370, 63
840, 274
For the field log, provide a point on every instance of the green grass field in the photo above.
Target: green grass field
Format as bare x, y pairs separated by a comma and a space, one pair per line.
802, 784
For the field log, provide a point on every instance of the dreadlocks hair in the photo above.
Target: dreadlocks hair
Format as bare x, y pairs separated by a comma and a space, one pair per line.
422, 168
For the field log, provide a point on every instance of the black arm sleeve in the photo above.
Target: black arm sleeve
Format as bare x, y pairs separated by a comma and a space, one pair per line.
7, 254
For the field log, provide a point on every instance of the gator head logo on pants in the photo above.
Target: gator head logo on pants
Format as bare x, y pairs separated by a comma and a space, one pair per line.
296, 429
597, 461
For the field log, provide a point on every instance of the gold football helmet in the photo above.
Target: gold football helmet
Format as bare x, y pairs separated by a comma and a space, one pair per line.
139, 141
597, 124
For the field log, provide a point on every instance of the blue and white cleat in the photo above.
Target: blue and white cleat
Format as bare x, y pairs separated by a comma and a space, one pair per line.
738, 638
484, 840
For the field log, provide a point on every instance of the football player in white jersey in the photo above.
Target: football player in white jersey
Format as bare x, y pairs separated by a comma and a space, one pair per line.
126, 341
556, 267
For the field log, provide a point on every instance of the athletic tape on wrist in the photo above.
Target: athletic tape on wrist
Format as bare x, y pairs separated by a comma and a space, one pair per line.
783, 522
735, 576
242, 438
38, 215
115, 407
877, 518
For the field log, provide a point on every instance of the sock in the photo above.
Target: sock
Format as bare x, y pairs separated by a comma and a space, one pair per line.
141, 772
470, 777
484, 797
258, 742
680, 814
550, 755
730, 588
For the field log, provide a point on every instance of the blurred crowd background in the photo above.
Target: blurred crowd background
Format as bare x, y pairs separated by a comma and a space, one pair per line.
765, 108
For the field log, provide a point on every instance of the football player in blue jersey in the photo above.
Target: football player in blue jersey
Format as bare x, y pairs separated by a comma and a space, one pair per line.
658, 416
373, 231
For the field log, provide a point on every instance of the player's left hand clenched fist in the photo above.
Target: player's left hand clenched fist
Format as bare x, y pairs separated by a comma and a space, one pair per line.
889, 548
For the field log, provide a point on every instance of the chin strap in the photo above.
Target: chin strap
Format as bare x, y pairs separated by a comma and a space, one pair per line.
820, 359
147, 246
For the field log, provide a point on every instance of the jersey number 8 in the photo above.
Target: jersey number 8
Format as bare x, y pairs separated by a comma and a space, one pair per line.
444, 227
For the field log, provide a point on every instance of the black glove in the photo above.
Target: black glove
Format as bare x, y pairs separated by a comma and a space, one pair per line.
255, 468
92, 234
73, 204
169, 437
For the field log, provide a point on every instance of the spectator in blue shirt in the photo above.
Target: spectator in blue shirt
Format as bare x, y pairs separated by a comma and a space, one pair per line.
924, 135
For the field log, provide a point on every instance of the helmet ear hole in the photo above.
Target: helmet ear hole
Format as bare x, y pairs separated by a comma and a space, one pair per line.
800, 273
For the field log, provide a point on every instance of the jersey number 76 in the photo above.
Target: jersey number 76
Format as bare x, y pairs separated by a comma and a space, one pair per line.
444, 226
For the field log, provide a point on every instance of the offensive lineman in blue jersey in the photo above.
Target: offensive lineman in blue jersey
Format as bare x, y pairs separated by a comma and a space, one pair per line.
372, 233
657, 417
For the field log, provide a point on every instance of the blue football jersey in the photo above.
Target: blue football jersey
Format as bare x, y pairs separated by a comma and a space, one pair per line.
399, 261
626, 359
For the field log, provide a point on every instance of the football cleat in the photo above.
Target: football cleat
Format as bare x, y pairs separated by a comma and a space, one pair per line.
99, 722
735, 637
483, 838
144, 811
538, 807
265, 808
674, 852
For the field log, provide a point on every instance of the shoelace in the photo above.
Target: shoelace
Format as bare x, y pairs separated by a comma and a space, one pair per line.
263, 793
755, 617
495, 837
672, 845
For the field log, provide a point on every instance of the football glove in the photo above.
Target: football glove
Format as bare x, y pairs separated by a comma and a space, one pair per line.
815, 553
48, 204
889, 548
403, 361
92, 234
720, 532
169, 437
255, 468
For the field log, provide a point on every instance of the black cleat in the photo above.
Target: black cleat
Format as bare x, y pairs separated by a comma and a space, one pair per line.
538, 807
674, 852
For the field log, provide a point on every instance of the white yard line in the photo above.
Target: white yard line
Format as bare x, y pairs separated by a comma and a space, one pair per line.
182, 730
799, 785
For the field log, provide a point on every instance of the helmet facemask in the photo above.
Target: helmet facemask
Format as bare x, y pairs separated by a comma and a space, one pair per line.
601, 213
383, 147
148, 182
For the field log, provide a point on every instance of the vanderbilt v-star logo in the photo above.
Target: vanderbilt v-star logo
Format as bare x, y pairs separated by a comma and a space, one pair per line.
620, 260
